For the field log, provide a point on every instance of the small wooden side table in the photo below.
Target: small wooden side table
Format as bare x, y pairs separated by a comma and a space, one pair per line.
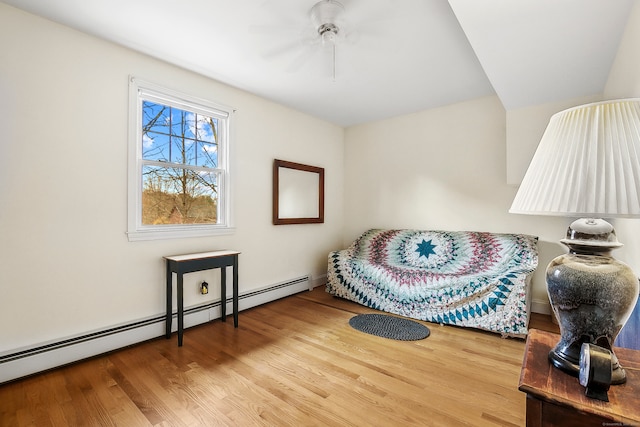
181, 264
555, 398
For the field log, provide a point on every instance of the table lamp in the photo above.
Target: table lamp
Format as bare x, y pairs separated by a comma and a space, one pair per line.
587, 166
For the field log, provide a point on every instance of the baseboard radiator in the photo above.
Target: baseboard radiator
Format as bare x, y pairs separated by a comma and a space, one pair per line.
540, 306
34, 359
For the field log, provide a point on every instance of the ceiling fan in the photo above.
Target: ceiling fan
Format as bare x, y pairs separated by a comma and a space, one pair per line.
325, 31
325, 15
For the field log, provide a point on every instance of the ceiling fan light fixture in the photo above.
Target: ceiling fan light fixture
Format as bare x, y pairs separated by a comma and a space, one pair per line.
328, 33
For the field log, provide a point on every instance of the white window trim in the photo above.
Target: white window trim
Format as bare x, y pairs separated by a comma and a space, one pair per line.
136, 231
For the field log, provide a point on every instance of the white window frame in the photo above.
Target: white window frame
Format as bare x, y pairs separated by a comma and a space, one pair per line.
139, 90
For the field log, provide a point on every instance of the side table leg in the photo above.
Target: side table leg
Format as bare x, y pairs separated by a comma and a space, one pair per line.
180, 309
169, 301
223, 293
235, 291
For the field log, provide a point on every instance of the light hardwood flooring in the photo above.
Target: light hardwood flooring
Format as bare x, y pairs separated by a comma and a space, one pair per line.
291, 362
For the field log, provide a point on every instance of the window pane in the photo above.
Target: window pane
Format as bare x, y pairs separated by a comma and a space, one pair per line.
180, 123
155, 146
155, 117
193, 140
207, 155
207, 128
183, 150
178, 196
190, 128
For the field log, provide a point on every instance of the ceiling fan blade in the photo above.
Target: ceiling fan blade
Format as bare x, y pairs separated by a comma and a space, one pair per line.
364, 21
284, 49
301, 59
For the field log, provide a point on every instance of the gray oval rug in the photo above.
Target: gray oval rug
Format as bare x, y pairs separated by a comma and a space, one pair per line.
395, 328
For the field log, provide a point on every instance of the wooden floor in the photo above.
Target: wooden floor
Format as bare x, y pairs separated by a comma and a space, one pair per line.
292, 362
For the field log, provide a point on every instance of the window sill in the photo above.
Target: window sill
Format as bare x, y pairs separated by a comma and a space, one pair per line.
178, 233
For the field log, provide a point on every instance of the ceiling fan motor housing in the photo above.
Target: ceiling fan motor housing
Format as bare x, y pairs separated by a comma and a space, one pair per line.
324, 15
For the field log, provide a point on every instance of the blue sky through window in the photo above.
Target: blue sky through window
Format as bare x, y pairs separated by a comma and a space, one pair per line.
178, 136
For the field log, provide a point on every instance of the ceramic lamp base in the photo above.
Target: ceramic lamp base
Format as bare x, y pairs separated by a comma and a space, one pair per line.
592, 295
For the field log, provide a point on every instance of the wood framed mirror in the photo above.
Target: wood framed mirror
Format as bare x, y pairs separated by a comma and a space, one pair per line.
298, 193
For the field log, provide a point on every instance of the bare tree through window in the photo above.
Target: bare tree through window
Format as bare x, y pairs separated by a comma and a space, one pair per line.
179, 170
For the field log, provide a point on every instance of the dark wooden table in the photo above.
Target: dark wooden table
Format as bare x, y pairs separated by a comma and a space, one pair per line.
181, 264
555, 398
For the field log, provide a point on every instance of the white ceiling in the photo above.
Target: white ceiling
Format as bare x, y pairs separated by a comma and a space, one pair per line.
400, 56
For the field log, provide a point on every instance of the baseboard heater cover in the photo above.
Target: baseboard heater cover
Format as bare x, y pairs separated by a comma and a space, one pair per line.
34, 359
540, 306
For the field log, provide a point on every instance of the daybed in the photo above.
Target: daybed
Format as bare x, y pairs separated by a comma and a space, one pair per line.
473, 279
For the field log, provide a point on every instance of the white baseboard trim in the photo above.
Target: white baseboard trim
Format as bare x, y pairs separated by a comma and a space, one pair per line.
27, 361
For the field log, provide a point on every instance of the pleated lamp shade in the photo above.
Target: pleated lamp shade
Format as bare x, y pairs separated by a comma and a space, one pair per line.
587, 164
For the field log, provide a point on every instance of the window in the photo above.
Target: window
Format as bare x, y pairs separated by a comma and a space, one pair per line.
178, 165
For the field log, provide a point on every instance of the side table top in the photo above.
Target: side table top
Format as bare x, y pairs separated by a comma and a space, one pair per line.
541, 379
200, 255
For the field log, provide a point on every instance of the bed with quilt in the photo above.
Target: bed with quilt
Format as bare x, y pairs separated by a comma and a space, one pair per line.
464, 278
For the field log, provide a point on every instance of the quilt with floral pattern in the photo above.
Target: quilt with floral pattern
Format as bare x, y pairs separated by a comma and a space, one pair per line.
463, 278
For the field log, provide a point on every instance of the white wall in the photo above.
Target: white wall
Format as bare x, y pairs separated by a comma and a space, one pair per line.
445, 169
66, 266
624, 77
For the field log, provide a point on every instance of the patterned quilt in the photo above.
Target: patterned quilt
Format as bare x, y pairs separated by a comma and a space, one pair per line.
464, 278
